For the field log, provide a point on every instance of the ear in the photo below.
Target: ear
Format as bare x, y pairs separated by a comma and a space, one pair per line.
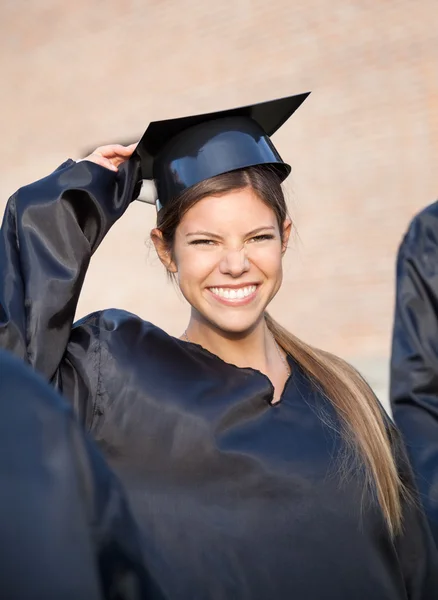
163, 251
287, 228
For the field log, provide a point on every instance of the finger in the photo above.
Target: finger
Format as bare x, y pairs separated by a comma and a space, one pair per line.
118, 160
124, 150
106, 151
102, 161
115, 150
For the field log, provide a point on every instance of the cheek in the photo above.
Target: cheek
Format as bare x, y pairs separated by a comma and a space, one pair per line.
268, 261
194, 266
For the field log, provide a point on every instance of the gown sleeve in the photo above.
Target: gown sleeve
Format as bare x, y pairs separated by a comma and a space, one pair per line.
49, 232
414, 360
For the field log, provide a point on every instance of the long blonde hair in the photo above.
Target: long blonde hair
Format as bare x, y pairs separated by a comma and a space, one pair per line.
363, 424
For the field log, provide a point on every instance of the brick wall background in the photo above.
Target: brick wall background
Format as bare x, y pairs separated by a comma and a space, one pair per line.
364, 146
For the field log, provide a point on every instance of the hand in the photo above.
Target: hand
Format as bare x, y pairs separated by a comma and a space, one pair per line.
111, 156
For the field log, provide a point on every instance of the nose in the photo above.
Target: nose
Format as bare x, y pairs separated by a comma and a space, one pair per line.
234, 262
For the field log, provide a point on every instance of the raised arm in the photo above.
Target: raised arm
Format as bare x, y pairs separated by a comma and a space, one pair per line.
414, 361
49, 232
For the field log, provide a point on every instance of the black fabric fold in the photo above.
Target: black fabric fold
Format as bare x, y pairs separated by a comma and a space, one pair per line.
65, 527
414, 359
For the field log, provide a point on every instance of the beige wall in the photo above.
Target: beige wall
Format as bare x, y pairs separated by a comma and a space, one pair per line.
364, 146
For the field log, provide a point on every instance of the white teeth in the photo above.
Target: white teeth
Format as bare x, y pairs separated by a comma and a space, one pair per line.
233, 294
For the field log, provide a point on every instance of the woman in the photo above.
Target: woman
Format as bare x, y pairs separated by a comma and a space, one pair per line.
255, 466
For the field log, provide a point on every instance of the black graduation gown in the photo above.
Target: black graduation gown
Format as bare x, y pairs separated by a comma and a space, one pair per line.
414, 360
65, 527
234, 497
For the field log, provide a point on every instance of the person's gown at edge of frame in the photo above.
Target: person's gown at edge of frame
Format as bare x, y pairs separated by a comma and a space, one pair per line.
414, 359
234, 497
65, 528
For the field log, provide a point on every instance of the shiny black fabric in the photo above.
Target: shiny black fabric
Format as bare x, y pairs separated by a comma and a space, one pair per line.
65, 529
210, 149
234, 497
414, 361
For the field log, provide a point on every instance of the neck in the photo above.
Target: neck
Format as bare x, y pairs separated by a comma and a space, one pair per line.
255, 348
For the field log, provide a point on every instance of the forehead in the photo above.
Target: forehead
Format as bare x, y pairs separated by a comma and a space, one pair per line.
241, 209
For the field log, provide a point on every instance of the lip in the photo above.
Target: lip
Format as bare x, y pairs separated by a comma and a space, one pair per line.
235, 301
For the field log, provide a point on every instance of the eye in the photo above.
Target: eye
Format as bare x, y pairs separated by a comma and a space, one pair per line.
262, 237
202, 242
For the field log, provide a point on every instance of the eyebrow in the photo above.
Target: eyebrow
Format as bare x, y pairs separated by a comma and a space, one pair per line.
216, 236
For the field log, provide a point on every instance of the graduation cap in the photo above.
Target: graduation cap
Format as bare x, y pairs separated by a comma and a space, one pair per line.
178, 153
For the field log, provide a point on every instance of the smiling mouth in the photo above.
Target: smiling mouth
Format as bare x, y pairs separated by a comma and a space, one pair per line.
225, 293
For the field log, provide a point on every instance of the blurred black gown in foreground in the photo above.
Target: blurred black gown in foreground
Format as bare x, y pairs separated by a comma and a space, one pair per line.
234, 497
65, 529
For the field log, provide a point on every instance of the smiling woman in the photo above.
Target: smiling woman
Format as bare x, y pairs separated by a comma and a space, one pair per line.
255, 465
226, 251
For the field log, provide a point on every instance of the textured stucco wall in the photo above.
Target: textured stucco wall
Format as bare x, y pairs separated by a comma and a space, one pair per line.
364, 146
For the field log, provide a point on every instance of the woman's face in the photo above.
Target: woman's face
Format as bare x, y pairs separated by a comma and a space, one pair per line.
228, 259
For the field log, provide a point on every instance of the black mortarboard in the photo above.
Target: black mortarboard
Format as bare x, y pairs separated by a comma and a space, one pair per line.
178, 153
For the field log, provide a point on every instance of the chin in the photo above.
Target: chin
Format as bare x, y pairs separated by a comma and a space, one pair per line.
230, 320
236, 326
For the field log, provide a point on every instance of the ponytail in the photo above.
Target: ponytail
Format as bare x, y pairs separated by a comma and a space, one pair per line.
363, 423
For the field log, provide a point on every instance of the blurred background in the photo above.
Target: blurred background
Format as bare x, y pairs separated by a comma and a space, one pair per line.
363, 147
